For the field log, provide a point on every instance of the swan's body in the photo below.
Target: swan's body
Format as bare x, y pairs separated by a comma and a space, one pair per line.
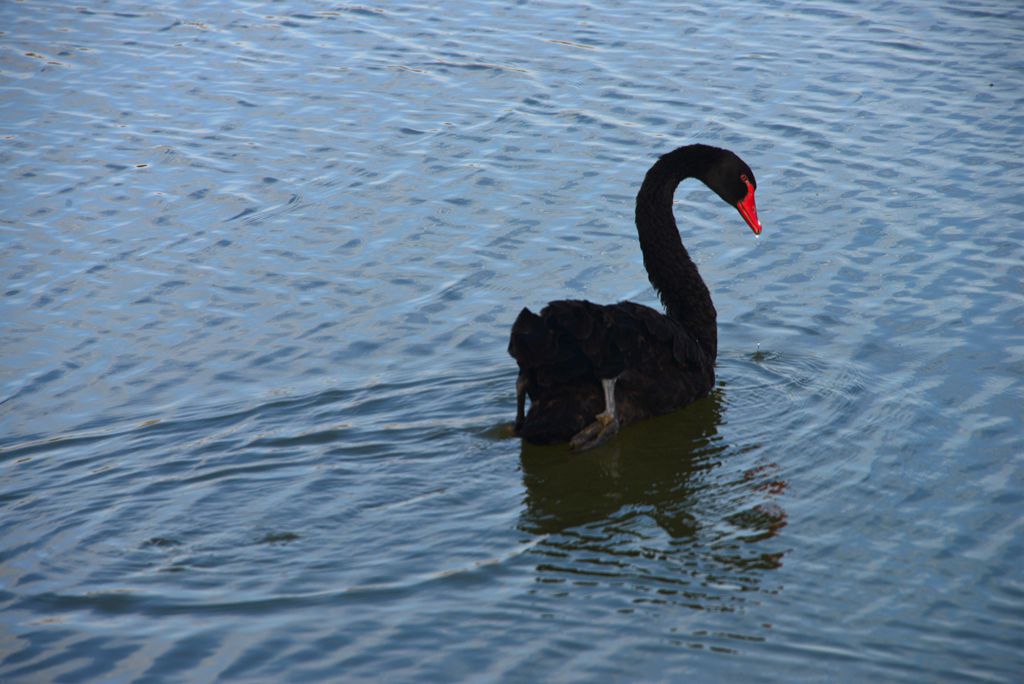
590, 368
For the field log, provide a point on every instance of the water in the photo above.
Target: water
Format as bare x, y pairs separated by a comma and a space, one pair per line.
259, 266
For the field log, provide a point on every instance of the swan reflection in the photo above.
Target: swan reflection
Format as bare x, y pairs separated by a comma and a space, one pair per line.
659, 510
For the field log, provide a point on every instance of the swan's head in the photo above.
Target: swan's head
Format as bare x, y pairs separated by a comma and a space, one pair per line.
732, 179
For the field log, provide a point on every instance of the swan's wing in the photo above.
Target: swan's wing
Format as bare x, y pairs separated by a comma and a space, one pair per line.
653, 334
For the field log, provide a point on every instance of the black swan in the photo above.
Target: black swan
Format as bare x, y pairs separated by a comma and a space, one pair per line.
588, 368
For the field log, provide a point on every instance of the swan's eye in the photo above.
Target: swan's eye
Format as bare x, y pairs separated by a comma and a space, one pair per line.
743, 177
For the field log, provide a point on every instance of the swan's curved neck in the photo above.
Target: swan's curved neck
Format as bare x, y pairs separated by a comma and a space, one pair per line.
669, 267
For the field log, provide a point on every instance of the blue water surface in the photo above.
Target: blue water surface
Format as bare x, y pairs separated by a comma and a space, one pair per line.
259, 266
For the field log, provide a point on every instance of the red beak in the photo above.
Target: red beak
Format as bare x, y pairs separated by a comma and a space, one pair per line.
748, 210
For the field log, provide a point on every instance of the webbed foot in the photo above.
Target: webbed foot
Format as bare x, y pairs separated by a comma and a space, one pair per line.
605, 423
597, 433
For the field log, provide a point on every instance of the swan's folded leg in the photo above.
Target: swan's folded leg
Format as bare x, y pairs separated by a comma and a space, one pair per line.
520, 402
605, 424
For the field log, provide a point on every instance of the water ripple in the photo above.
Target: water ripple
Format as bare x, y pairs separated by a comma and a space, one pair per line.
259, 268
